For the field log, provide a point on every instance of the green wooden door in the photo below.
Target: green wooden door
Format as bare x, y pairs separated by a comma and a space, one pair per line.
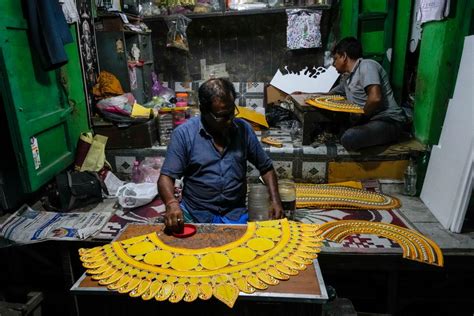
43, 120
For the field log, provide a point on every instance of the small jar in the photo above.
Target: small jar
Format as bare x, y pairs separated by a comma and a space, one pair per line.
181, 98
287, 191
258, 202
179, 116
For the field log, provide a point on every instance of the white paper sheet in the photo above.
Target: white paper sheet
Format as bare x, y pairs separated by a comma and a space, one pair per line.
307, 80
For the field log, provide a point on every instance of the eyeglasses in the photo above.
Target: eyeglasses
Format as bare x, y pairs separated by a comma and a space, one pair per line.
224, 117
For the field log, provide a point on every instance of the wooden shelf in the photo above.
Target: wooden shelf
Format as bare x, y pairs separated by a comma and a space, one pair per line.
239, 13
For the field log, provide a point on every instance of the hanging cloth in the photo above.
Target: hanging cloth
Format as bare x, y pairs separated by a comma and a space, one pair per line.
432, 10
303, 30
49, 32
70, 11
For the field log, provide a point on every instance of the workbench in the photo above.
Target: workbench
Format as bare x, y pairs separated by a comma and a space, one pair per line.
307, 287
309, 116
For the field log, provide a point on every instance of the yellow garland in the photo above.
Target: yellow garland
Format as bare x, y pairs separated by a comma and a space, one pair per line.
145, 267
335, 103
415, 246
330, 197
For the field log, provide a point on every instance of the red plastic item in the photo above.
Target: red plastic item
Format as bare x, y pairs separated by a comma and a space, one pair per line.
188, 231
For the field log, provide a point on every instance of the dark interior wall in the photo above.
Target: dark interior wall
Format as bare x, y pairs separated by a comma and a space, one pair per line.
252, 46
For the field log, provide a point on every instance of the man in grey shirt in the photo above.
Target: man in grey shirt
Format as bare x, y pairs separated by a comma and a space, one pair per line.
365, 82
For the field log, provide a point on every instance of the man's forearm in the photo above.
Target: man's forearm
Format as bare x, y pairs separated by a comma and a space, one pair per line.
270, 180
374, 99
166, 188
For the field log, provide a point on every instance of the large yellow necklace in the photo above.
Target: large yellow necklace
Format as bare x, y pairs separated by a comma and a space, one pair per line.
330, 197
334, 103
145, 267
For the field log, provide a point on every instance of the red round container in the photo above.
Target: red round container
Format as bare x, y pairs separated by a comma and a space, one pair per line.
188, 231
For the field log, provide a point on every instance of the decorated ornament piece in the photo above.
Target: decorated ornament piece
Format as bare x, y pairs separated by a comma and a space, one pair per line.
415, 246
335, 103
145, 267
331, 197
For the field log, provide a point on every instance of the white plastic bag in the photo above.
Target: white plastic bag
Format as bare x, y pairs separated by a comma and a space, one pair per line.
133, 195
150, 169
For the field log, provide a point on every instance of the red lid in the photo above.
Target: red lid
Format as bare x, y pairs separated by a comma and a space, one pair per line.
188, 231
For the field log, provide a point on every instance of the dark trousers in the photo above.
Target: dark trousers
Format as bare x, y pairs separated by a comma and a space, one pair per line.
371, 133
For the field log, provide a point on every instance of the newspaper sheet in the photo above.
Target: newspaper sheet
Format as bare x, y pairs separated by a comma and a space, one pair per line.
28, 226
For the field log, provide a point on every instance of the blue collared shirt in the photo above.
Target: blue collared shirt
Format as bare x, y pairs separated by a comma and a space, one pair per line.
214, 183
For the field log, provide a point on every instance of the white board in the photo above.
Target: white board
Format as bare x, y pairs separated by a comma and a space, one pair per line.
448, 182
307, 80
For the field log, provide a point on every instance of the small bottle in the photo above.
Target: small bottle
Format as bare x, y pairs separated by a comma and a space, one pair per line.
410, 179
136, 172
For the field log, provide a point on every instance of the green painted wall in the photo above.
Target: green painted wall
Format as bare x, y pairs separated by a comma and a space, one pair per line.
380, 25
440, 53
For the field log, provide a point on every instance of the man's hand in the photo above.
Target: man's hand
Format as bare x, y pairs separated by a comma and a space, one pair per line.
174, 220
277, 210
270, 180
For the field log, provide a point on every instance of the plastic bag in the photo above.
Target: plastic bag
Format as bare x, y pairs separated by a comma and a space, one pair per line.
149, 8
121, 104
276, 114
132, 195
158, 90
150, 169
303, 30
177, 25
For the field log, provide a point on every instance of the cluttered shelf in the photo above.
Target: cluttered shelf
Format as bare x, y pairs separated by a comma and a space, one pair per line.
238, 12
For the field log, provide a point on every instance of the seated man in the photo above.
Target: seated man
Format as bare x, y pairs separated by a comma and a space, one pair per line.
211, 153
366, 83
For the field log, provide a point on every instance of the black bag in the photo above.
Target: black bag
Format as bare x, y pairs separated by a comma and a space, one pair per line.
78, 189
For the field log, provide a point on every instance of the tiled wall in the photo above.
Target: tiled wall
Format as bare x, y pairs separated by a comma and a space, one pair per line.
250, 94
305, 163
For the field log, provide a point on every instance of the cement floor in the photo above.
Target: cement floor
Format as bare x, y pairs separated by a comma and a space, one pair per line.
416, 212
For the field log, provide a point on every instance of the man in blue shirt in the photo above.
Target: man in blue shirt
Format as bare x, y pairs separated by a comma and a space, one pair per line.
211, 153
365, 82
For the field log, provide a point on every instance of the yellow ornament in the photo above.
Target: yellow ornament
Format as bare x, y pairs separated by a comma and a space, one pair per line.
184, 263
324, 196
140, 248
158, 257
260, 244
241, 254
214, 261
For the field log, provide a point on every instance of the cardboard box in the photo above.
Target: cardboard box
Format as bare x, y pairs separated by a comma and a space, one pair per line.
273, 95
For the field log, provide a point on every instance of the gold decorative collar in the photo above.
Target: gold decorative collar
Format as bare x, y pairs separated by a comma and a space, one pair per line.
335, 103
146, 267
331, 197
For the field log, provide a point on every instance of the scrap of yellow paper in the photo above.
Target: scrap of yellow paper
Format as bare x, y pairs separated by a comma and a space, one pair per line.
351, 184
252, 116
140, 111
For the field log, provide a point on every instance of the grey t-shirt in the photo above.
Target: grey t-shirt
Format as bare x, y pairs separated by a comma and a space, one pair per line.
367, 72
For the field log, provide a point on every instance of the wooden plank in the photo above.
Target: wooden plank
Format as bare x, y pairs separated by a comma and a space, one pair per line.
346, 171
